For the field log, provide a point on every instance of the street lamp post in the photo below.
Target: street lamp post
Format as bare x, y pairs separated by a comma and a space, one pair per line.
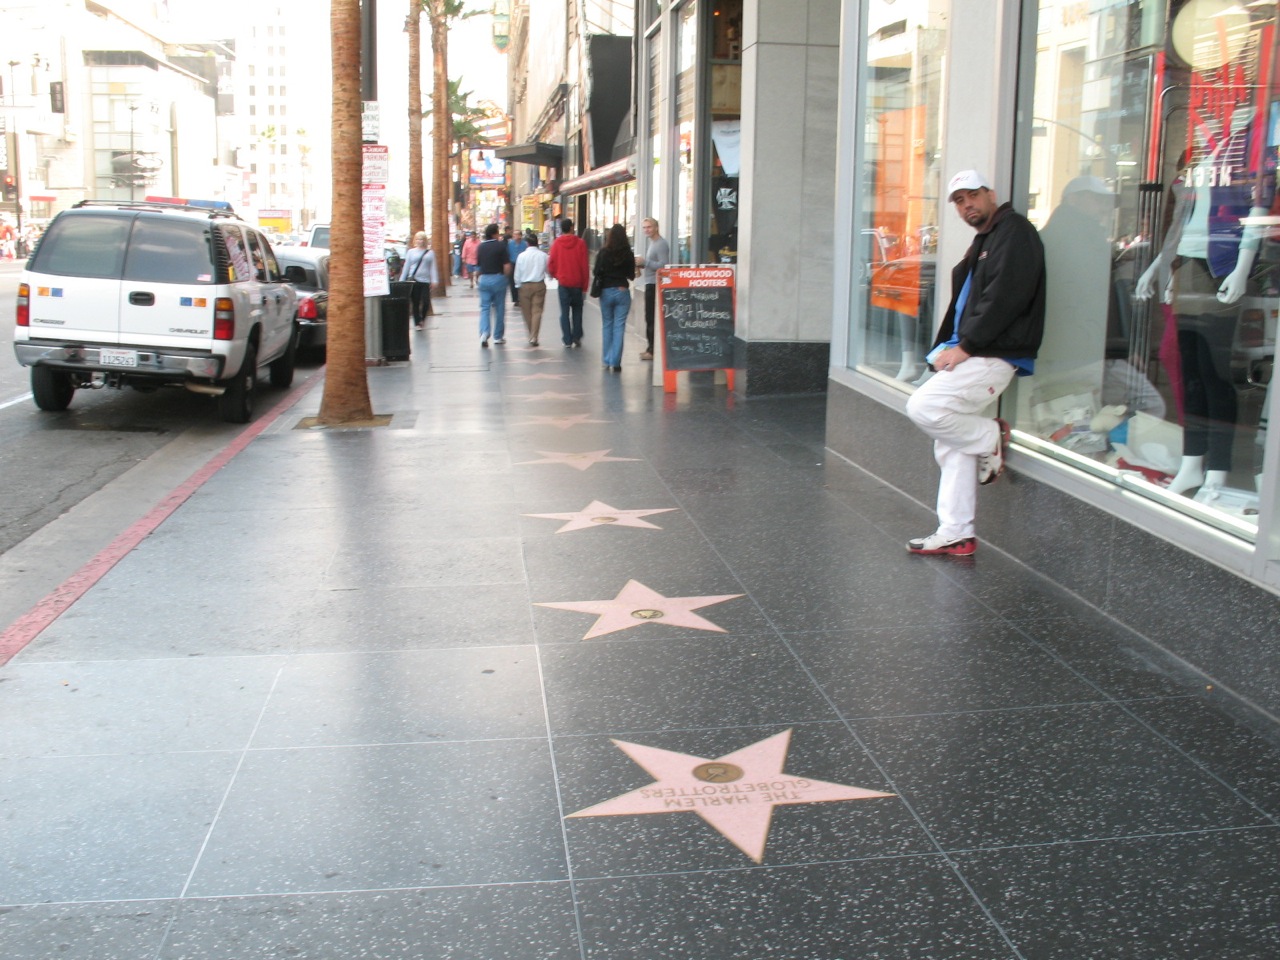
17, 153
133, 156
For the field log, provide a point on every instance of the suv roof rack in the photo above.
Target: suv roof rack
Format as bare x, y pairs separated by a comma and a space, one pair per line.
207, 207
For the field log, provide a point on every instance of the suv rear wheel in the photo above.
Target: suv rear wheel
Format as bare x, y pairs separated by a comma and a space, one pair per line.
52, 388
236, 403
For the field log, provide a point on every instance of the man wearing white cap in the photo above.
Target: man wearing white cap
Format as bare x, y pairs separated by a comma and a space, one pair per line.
991, 332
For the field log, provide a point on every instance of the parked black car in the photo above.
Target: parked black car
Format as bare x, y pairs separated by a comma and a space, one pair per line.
307, 268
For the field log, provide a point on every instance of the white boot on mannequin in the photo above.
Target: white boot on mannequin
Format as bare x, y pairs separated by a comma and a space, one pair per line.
910, 368
1214, 481
1190, 475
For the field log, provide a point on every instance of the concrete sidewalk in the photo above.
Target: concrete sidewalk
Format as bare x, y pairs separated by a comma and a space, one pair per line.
559, 666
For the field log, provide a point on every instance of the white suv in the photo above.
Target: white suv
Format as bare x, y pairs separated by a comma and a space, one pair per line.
144, 294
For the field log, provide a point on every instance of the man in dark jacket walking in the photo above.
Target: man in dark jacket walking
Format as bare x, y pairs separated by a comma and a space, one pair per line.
991, 333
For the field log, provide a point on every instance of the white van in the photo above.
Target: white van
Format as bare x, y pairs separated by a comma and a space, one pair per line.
145, 294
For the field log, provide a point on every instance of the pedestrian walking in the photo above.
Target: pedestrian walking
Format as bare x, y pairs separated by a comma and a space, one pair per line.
657, 254
492, 265
567, 264
516, 245
614, 269
991, 332
420, 269
469, 263
530, 278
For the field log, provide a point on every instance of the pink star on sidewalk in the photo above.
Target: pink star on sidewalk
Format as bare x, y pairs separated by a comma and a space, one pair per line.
564, 423
547, 395
735, 794
579, 461
636, 604
597, 514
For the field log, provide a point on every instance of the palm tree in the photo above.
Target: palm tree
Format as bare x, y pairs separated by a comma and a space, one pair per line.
464, 129
346, 384
440, 13
412, 26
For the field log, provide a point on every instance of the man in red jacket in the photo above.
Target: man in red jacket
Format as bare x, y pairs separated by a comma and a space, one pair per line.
568, 264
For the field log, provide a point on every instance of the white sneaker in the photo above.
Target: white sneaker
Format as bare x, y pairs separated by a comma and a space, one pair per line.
935, 544
991, 465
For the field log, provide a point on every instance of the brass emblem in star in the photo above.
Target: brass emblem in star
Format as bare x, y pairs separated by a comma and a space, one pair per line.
735, 794
637, 604
597, 514
579, 461
564, 423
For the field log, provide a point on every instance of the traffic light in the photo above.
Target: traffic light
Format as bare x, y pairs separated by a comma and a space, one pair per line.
10, 187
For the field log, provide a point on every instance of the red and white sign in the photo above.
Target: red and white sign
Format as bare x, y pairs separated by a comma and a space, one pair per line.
377, 163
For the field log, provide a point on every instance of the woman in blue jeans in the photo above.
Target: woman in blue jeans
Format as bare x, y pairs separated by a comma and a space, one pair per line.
615, 268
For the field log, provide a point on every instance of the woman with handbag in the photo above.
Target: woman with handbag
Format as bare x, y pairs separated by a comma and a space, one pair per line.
420, 268
614, 270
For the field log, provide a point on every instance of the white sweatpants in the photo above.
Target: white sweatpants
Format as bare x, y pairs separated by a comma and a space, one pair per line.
948, 408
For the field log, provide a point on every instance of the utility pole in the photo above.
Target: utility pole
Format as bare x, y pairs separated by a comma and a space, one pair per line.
17, 151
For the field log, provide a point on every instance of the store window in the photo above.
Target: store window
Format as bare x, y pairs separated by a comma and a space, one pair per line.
725, 100
686, 109
902, 62
1152, 177
605, 207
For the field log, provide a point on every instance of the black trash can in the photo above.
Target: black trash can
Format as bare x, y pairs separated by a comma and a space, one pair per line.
395, 328
402, 289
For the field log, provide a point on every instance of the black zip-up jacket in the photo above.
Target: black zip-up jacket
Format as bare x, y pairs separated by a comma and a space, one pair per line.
1004, 315
615, 267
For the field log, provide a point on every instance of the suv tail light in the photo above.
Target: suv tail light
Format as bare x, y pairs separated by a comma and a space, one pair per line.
224, 319
24, 305
307, 308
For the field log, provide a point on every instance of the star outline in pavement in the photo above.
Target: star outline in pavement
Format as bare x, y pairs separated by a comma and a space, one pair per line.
599, 514
734, 794
636, 605
547, 395
579, 461
563, 422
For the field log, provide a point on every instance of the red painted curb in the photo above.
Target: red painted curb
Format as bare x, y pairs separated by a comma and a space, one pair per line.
29, 626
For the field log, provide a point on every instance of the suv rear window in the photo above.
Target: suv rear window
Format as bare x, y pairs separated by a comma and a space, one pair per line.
169, 251
79, 246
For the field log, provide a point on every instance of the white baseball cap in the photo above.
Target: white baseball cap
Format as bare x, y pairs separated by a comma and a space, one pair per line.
966, 180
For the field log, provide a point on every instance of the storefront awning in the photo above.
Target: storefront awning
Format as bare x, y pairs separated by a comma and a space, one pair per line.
537, 153
620, 171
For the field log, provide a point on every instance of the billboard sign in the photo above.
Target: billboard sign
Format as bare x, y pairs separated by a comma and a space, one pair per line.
487, 170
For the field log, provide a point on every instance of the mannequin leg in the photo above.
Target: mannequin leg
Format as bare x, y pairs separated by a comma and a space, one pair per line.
911, 362
1214, 480
1190, 475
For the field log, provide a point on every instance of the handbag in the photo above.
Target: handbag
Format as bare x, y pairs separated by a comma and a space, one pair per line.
596, 286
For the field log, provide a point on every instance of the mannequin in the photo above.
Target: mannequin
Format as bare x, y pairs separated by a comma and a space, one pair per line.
1216, 257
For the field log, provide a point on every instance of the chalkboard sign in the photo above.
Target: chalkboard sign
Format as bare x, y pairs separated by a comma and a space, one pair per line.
697, 317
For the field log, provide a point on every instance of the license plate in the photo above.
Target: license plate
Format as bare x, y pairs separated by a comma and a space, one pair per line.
118, 358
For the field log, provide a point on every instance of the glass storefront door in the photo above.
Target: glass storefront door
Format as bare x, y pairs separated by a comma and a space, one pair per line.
1151, 169
903, 56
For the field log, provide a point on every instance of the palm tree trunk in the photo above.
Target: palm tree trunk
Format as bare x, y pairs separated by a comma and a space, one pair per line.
442, 122
346, 384
417, 215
